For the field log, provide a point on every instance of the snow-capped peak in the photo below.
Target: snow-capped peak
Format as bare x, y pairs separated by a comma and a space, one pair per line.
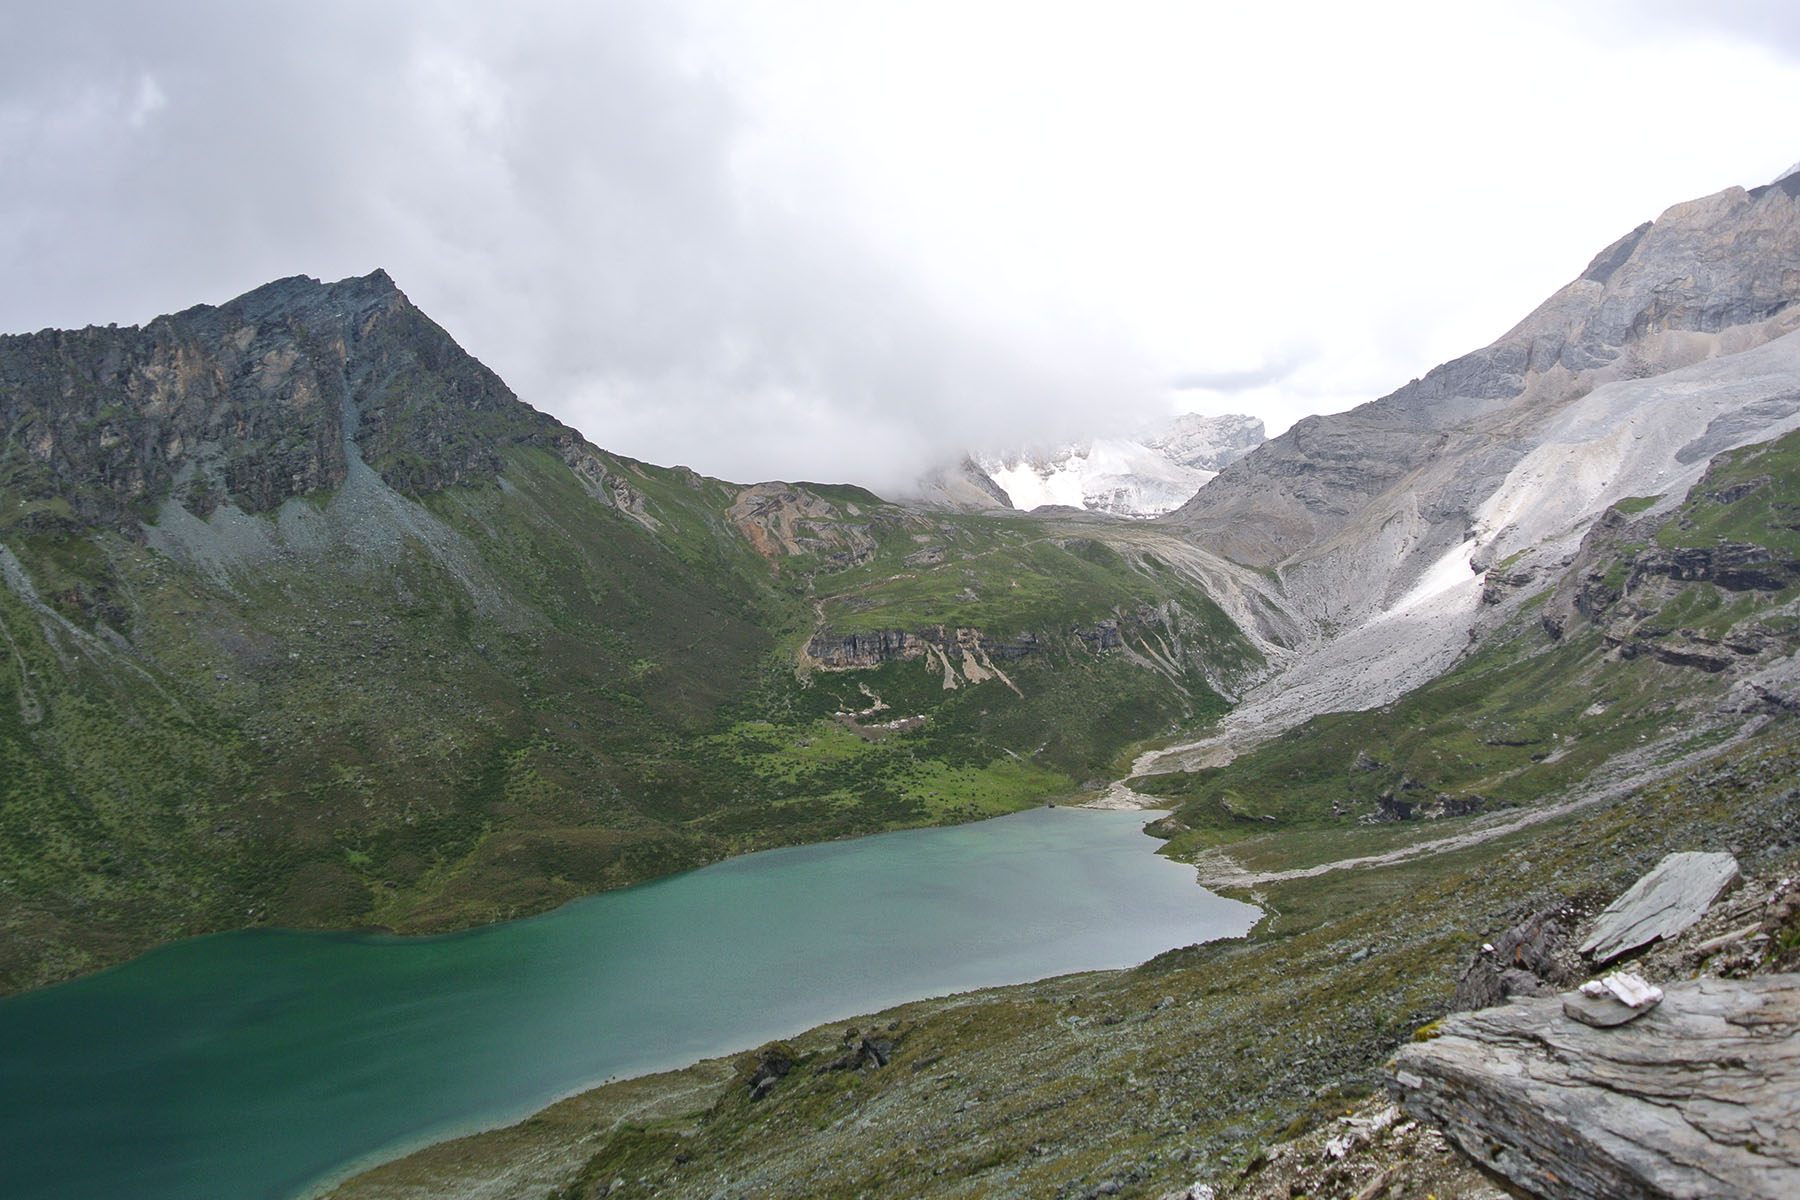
1125, 476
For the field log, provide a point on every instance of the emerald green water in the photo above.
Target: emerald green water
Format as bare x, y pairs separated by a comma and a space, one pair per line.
257, 1064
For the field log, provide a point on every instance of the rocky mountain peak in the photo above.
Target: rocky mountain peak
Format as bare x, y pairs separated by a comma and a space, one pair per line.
1709, 278
251, 402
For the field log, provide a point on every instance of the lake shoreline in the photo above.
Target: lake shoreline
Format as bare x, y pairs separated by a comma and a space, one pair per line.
442, 1038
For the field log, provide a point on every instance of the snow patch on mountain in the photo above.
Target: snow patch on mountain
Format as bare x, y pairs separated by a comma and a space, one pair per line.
1112, 475
1129, 477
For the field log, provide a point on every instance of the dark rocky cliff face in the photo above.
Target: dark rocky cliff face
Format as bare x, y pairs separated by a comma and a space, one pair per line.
254, 401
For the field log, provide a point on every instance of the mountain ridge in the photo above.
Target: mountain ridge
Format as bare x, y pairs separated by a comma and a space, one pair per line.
1708, 277
1546, 638
327, 629
310, 621
1360, 516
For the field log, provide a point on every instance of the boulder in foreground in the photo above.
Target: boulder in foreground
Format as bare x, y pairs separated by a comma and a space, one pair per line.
1698, 1098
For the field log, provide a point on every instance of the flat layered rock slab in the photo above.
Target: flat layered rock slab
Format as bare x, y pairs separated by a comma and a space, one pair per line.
1671, 897
1698, 1098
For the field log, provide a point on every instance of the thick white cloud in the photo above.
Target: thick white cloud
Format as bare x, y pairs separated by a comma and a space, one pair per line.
826, 240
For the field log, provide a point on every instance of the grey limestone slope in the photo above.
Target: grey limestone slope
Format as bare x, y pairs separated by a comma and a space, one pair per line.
1352, 509
1376, 527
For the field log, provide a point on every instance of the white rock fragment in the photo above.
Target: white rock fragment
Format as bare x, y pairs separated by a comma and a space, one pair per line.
1198, 1191
1617, 999
1627, 988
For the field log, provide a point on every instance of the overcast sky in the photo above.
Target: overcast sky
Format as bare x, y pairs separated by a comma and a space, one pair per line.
833, 240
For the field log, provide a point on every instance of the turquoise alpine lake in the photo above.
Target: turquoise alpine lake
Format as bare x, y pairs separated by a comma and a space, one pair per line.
260, 1064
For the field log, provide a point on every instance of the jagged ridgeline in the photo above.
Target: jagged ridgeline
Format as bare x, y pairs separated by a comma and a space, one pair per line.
309, 621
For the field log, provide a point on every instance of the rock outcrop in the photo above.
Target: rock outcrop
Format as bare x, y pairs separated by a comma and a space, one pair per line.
773, 1063
253, 402
953, 648
871, 648
1630, 575
784, 520
1532, 958
868, 1053
1734, 566
1660, 905
960, 654
1700, 1097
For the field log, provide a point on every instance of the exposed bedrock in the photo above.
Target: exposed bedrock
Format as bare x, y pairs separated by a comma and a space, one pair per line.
1668, 899
1352, 509
871, 648
1700, 1097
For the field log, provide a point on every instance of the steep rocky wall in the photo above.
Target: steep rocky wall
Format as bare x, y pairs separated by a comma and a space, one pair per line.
846, 651
964, 655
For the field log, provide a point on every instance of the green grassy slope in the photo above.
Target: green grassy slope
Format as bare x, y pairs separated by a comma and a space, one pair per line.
1137, 1083
566, 700
246, 680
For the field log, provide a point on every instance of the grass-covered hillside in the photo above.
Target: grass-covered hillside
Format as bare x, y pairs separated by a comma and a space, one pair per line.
1559, 761
307, 621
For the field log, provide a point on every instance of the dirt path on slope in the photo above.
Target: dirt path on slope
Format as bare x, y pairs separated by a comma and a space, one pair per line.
1622, 776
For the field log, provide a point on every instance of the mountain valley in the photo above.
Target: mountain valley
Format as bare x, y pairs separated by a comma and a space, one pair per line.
310, 623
